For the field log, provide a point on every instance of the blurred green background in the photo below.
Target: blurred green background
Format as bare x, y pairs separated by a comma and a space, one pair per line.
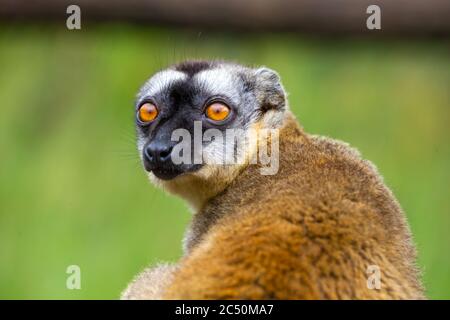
72, 190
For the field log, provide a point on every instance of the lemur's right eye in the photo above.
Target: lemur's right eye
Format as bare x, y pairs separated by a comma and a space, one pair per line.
217, 111
147, 112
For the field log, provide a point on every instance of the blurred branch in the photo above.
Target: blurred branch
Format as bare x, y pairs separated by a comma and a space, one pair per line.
316, 16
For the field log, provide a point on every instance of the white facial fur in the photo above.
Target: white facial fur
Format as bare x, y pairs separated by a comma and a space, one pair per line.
160, 81
220, 81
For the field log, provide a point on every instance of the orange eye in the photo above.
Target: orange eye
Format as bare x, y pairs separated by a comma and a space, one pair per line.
217, 111
148, 112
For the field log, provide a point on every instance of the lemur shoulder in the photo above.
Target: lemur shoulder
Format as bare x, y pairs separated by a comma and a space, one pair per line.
310, 231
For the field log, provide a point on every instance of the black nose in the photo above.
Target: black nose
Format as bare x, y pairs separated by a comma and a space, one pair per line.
158, 152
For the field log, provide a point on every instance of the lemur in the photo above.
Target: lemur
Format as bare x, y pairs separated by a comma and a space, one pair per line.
313, 230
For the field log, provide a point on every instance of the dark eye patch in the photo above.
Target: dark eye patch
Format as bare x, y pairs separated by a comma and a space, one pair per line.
182, 92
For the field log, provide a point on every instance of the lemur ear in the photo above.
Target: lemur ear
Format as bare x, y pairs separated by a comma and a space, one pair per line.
269, 89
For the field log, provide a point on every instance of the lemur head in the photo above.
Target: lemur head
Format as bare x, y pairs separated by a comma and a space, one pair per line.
196, 102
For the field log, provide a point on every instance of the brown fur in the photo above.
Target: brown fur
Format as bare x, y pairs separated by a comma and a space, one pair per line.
308, 232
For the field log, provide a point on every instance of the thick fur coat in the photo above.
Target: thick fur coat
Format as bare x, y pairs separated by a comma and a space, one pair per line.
314, 230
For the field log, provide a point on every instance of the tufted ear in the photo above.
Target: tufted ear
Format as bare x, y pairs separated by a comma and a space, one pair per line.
269, 90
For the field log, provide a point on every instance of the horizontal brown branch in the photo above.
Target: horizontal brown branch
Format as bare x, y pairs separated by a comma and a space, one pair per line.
325, 16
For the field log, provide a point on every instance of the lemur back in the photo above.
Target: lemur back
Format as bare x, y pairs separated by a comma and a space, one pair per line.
312, 231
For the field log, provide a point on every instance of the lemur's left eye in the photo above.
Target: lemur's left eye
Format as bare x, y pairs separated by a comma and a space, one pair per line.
217, 111
147, 112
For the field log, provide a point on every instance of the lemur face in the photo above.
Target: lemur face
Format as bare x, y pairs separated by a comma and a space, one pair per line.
197, 98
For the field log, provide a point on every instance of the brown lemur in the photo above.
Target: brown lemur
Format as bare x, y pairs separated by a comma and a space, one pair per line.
313, 230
